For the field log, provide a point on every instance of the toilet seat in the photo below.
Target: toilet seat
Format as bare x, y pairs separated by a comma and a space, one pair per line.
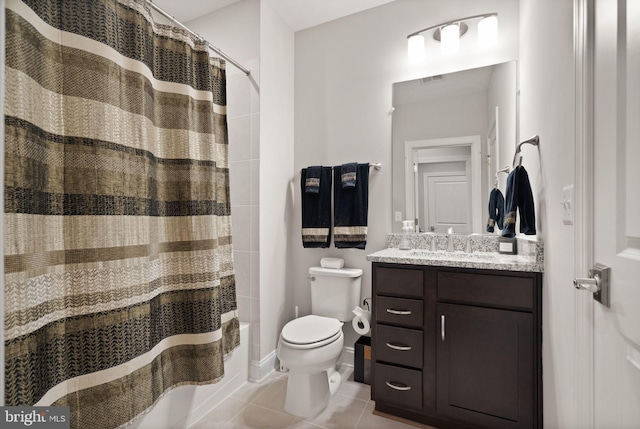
311, 331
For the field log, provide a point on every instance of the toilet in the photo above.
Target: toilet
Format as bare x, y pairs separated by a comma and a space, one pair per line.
309, 346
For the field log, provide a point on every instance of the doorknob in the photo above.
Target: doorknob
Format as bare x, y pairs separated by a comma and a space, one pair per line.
597, 283
590, 284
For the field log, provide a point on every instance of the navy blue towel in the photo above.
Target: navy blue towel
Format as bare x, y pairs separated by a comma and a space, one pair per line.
496, 210
348, 174
316, 210
351, 207
519, 197
312, 183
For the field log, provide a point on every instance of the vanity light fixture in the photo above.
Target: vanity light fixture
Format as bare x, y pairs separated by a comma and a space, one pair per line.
450, 39
449, 33
416, 49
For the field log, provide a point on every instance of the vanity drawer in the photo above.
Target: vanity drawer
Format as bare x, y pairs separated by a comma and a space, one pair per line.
398, 386
501, 291
399, 282
399, 345
399, 311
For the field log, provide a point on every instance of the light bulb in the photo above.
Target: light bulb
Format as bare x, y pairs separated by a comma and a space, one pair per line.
416, 49
488, 31
449, 39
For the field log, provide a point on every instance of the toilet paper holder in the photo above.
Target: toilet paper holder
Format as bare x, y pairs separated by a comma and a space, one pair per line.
362, 321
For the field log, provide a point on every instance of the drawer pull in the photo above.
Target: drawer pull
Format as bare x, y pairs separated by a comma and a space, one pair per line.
399, 312
401, 348
403, 387
442, 333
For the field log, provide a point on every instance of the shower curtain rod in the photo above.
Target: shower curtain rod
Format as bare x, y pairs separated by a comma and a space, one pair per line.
184, 27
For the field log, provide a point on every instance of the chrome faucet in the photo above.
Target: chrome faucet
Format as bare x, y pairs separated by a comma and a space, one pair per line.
433, 243
450, 239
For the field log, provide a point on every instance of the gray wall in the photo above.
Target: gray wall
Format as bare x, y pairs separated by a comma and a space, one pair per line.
547, 109
344, 72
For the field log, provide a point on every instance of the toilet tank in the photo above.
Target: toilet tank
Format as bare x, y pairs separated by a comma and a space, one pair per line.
335, 292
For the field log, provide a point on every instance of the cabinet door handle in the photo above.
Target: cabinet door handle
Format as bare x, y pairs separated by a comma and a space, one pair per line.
394, 386
399, 312
401, 348
442, 326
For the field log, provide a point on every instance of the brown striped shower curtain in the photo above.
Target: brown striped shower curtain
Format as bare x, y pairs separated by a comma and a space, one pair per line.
119, 280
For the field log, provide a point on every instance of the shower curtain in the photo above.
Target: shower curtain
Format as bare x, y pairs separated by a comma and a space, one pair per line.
119, 279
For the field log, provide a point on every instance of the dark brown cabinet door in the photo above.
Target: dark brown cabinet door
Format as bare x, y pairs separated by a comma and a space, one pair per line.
485, 366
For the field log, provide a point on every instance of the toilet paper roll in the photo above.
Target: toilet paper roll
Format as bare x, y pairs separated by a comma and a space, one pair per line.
362, 322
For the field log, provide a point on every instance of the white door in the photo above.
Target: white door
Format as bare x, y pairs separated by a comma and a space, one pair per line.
447, 203
615, 331
413, 179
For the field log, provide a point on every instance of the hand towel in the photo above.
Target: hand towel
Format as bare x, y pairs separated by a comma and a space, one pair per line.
316, 210
496, 210
312, 183
351, 206
519, 197
348, 174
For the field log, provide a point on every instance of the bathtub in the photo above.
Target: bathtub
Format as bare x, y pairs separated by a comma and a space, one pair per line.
185, 405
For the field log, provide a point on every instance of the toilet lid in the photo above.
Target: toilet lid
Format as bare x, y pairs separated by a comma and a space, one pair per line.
310, 329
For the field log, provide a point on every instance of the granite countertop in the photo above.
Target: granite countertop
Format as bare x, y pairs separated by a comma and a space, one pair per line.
530, 255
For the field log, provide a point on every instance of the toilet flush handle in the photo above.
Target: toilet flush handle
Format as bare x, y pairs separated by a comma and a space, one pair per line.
312, 278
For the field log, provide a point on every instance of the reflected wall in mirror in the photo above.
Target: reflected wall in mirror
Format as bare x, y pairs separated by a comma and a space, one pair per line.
451, 134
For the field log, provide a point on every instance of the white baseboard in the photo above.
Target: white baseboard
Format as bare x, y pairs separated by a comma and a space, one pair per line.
259, 370
347, 357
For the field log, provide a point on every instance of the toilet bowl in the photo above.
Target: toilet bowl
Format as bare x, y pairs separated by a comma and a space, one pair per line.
310, 346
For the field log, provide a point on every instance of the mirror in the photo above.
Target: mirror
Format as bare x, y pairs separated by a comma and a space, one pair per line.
451, 134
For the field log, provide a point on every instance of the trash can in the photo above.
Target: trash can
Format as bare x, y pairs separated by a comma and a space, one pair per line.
362, 364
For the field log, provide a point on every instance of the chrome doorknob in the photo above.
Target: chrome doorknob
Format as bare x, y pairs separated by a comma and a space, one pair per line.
598, 283
590, 284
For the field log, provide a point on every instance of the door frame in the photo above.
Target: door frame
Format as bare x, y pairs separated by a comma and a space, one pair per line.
493, 134
584, 42
475, 143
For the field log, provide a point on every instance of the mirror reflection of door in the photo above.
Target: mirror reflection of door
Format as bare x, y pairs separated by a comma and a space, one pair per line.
444, 184
445, 107
446, 189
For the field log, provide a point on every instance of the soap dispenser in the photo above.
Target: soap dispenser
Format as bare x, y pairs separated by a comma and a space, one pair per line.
407, 228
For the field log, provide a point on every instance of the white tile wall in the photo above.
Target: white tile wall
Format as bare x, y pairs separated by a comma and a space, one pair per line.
244, 168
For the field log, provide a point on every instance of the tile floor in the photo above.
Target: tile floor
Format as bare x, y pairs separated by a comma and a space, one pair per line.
261, 405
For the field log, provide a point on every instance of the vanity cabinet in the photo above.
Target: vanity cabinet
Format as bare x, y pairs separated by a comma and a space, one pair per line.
457, 348
399, 312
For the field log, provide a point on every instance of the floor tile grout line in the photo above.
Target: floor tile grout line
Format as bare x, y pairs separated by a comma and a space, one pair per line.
268, 383
265, 384
274, 411
351, 397
308, 422
241, 410
246, 404
361, 414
